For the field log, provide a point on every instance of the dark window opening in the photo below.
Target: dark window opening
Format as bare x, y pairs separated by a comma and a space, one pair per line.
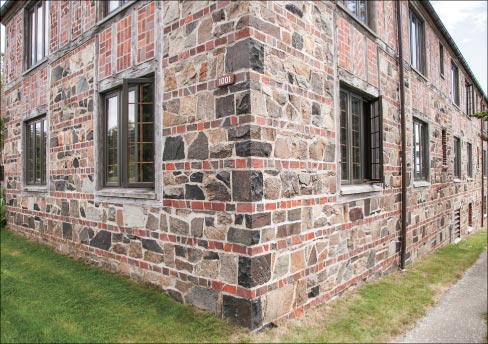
417, 42
470, 214
469, 99
420, 150
35, 148
454, 83
469, 152
457, 158
129, 134
361, 139
36, 37
457, 223
441, 58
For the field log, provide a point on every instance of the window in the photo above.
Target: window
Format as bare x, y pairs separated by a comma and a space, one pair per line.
444, 147
484, 163
112, 5
454, 83
357, 7
417, 43
420, 150
361, 139
457, 158
469, 99
469, 152
470, 214
457, 223
36, 40
129, 134
35, 151
441, 58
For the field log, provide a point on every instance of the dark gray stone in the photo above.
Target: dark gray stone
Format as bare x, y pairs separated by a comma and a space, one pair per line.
152, 222
254, 271
203, 298
199, 147
253, 148
247, 313
247, 53
67, 231
243, 103
103, 240
175, 295
295, 10
65, 208
196, 177
290, 184
217, 191
174, 148
371, 259
247, 186
240, 133
57, 73
289, 229
178, 226
151, 245
224, 106
297, 41
243, 236
258, 220
316, 109
329, 154
218, 16
224, 176
295, 214
82, 85
193, 192
85, 235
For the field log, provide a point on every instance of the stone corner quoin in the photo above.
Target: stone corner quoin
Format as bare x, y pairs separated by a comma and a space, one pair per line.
248, 214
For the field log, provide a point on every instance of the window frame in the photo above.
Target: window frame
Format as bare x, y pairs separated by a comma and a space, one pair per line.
367, 158
30, 58
457, 158
423, 173
106, 6
419, 40
455, 84
469, 161
441, 60
469, 98
42, 119
122, 92
356, 14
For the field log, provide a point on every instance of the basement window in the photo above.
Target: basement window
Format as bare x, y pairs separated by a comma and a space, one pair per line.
361, 138
36, 38
35, 151
129, 135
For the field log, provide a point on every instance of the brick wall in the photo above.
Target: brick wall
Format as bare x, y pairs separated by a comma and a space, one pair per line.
248, 217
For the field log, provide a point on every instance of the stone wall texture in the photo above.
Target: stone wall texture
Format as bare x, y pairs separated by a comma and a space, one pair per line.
248, 218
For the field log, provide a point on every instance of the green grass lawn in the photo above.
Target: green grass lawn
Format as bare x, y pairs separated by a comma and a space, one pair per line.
46, 297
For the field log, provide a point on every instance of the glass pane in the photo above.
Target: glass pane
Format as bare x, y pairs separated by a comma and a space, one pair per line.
356, 136
43, 156
351, 6
112, 140
38, 153
344, 137
40, 32
46, 28
30, 153
413, 41
112, 5
33, 37
362, 11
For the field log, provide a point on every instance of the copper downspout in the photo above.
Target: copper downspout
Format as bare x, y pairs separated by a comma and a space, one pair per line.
403, 236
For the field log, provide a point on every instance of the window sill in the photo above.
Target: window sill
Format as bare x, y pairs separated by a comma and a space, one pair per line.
419, 73
457, 180
127, 193
421, 184
35, 188
37, 65
359, 188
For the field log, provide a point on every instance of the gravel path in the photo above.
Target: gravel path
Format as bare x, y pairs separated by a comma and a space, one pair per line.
457, 318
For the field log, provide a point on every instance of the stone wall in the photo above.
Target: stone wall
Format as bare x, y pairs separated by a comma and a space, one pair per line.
248, 218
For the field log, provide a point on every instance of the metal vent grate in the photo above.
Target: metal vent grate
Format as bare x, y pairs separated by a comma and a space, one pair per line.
457, 223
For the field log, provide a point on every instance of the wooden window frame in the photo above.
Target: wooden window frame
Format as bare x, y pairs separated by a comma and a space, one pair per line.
417, 40
29, 150
371, 150
122, 139
30, 57
422, 172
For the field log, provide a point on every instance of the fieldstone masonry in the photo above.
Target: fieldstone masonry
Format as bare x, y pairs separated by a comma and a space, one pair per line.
248, 218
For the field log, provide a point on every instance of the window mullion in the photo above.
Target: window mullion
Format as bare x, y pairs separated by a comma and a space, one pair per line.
349, 139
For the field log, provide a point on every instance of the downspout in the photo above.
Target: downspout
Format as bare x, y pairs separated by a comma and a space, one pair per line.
403, 235
483, 167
